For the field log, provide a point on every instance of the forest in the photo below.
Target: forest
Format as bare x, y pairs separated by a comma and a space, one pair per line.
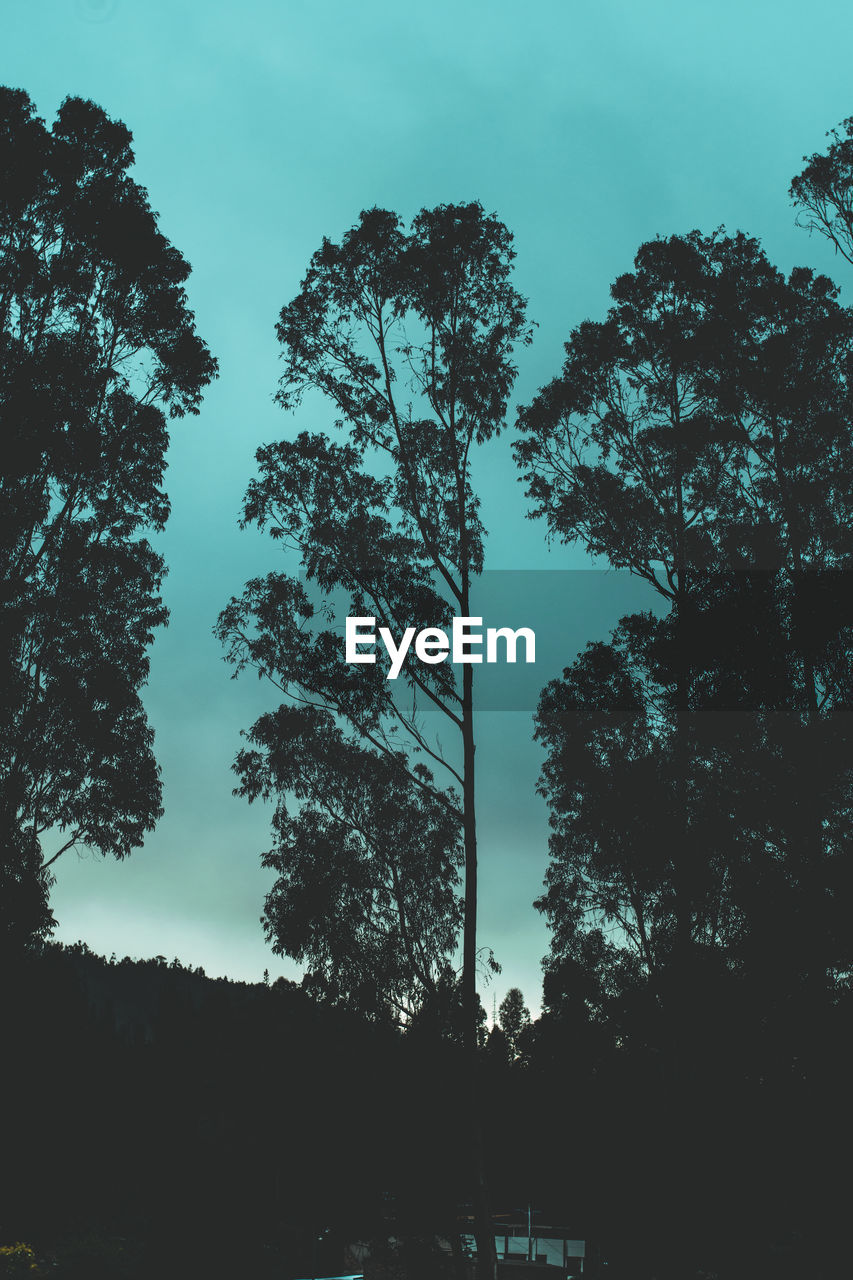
682, 1100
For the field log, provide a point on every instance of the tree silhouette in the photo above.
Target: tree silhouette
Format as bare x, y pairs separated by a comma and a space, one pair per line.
701, 437
513, 1017
698, 766
410, 336
610, 727
367, 866
97, 349
824, 190
618, 452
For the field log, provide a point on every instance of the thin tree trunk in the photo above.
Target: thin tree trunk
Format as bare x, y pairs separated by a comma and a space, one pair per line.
682, 1143
683, 868
487, 1258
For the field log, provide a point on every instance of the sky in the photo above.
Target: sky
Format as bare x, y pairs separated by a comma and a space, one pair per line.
588, 126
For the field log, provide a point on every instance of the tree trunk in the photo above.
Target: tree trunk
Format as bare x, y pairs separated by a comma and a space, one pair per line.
487, 1258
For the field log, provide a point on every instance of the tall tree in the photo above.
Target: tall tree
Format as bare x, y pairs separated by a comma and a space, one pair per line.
619, 453
701, 436
409, 335
97, 350
787, 382
699, 766
367, 865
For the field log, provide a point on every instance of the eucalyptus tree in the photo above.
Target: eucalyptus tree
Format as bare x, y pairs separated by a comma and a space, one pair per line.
367, 866
785, 383
619, 452
701, 437
408, 335
98, 350
609, 727
823, 191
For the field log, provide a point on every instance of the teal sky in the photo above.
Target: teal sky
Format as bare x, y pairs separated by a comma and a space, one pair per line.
588, 126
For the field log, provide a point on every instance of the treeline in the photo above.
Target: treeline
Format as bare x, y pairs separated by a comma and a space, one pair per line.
158, 1122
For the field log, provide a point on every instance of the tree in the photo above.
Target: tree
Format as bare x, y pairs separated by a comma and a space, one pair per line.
610, 729
97, 350
792, 516
824, 190
701, 437
367, 866
698, 765
514, 1017
24, 893
618, 451
409, 334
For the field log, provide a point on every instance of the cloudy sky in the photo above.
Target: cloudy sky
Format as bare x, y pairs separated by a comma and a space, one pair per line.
588, 126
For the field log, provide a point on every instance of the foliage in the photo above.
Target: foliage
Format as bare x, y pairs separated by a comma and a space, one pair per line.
97, 351
514, 1018
699, 764
409, 335
24, 890
366, 865
824, 190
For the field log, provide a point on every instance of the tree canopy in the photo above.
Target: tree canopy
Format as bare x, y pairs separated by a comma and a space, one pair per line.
409, 335
699, 764
98, 350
